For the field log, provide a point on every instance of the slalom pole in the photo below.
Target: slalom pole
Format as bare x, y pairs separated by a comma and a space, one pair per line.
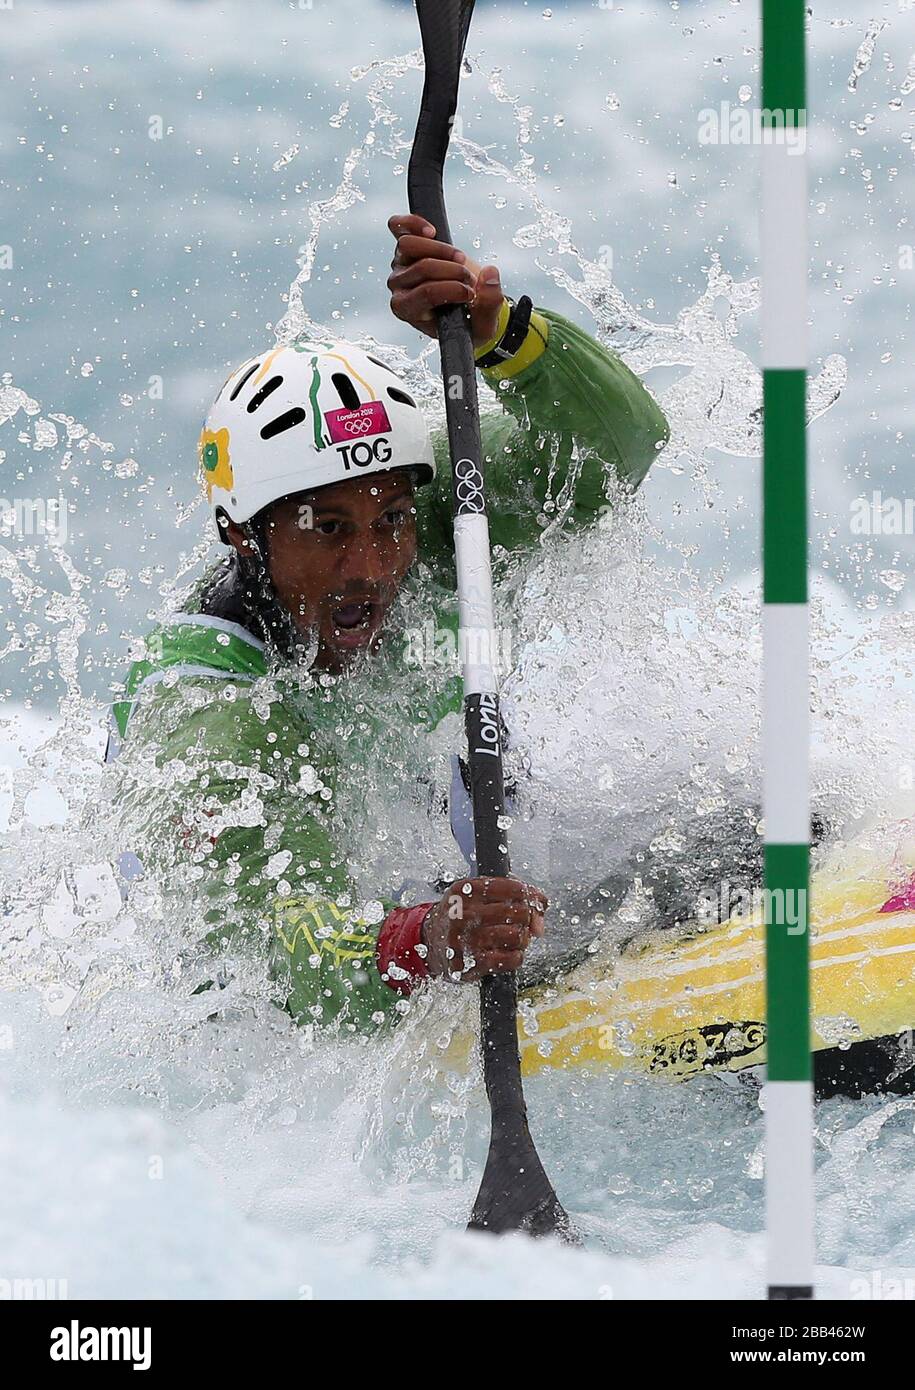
786, 654
515, 1193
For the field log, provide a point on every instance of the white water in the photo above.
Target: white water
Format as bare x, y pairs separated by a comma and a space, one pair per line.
149, 1152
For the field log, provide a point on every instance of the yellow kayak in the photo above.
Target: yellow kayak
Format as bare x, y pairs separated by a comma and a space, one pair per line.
678, 1004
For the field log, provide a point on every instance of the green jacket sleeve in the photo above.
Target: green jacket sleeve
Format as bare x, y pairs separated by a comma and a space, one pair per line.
573, 419
246, 828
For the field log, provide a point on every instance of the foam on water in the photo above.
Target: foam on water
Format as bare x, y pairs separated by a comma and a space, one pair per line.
152, 1149
290, 1161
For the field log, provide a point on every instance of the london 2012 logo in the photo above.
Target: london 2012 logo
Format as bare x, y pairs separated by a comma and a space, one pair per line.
468, 486
347, 425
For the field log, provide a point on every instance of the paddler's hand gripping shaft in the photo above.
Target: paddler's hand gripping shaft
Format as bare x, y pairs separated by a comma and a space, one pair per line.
515, 1193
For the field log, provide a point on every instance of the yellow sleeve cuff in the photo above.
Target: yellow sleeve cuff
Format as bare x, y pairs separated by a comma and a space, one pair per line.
533, 347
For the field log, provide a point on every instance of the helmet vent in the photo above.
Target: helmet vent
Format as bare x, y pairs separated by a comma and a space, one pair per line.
383, 365
250, 372
266, 390
286, 421
397, 395
346, 390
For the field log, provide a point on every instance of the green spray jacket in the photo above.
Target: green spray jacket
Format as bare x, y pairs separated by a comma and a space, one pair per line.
230, 766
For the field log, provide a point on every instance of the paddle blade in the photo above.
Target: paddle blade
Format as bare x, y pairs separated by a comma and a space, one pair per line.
444, 25
516, 1194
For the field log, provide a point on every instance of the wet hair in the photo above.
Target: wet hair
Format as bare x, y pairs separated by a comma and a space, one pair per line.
239, 590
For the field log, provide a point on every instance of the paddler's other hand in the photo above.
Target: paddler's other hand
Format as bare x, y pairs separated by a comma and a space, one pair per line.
426, 273
482, 926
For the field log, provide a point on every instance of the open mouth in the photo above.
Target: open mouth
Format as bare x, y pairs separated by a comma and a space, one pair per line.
353, 623
352, 615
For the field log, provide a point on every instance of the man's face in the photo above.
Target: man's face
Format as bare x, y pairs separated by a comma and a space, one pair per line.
337, 557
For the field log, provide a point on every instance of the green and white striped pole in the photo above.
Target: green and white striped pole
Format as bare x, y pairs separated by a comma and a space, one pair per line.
786, 702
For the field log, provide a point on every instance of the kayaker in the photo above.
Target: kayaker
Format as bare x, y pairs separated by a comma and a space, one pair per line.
333, 501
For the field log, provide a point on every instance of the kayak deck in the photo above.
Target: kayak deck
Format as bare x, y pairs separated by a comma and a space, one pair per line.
678, 1005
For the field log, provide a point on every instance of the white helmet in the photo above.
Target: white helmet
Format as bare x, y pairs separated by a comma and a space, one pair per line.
300, 417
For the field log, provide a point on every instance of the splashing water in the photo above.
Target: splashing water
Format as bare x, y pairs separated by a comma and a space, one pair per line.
632, 712
865, 54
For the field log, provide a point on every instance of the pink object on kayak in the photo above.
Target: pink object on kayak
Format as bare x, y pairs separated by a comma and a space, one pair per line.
903, 901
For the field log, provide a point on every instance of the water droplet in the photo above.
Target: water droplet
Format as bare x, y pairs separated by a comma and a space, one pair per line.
285, 158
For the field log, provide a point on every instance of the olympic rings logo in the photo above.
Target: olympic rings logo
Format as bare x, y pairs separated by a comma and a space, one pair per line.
359, 426
468, 486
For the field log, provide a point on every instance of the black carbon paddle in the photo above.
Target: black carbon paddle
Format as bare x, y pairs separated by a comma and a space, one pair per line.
515, 1194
